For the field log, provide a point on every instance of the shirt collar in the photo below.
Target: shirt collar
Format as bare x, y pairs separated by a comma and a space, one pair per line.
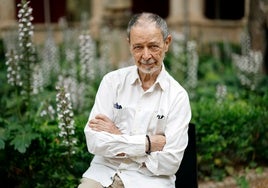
161, 79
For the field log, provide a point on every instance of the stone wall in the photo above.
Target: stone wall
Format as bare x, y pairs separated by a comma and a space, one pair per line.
185, 16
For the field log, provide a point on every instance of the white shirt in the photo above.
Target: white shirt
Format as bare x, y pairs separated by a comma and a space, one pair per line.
162, 109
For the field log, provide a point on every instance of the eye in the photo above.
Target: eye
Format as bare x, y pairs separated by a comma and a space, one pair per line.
154, 47
137, 48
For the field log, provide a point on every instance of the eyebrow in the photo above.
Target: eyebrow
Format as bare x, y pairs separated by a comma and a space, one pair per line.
150, 43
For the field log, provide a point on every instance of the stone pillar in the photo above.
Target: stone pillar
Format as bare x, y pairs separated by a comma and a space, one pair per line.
175, 11
196, 8
117, 13
181, 10
116, 16
7, 14
96, 21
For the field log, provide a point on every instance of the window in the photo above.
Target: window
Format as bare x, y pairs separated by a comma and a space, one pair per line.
57, 10
160, 7
224, 9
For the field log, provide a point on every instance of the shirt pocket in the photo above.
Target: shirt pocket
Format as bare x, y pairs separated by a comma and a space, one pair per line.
122, 119
158, 123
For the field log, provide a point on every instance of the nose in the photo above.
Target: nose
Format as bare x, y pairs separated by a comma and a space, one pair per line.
146, 54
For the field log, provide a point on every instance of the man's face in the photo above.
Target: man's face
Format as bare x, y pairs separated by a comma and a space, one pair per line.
148, 47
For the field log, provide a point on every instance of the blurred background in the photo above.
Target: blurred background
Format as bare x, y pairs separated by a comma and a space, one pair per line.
53, 55
202, 20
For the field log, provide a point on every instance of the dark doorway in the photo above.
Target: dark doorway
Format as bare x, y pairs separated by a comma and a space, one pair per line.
224, 9
160, 7
57, 10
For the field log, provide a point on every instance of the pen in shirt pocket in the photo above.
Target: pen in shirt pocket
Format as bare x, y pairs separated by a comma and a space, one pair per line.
117, 106
160, 116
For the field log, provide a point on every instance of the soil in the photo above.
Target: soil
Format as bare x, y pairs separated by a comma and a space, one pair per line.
252, 179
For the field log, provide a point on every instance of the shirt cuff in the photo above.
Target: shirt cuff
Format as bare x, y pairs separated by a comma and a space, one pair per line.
137, 145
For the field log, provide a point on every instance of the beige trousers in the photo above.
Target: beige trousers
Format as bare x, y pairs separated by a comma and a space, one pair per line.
89, 183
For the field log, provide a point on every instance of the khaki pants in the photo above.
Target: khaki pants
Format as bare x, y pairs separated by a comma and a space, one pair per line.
89, 183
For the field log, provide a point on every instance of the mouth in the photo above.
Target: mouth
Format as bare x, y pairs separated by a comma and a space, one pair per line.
147, 66
149, 62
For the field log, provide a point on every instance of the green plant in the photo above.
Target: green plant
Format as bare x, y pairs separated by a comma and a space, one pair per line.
32, 152
231, 132
242, 182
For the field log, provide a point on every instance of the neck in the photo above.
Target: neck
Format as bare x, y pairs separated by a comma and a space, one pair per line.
148, 79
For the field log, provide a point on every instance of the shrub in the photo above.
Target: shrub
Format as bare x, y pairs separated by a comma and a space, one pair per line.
231, 123
229, 134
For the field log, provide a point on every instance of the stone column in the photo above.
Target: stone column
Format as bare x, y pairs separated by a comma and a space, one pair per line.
175, 11
115, 18
117, 13
96, 21
196, 8
7, 14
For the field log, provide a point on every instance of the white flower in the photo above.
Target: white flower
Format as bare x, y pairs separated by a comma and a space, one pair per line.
65, 117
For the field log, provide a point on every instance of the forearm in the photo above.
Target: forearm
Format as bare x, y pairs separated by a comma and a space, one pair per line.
167, 161
155, 143
111, 145
164, 162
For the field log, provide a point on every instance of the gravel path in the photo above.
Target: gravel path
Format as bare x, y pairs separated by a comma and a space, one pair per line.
254, 179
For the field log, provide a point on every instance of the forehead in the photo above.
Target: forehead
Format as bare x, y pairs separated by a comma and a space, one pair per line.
145, 33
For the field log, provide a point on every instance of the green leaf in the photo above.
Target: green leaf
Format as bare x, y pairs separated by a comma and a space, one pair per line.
3, 137
2, 144
23, 138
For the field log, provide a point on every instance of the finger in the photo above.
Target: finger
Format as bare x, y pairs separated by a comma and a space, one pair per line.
97, 124
103, 118
96, 121
92, 125
92, 121
95, 127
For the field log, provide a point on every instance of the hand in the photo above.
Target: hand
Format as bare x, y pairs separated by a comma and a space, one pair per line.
103, 123
157, 142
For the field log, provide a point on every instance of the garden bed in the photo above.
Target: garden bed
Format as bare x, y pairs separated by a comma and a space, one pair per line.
229, 108
249, 179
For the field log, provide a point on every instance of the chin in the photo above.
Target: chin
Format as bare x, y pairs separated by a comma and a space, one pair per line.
149, 70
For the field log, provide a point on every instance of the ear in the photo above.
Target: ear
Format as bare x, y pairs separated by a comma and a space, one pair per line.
129, 45
168, 42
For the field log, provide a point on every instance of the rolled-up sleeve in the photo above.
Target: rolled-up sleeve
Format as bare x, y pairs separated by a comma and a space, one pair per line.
167, 162
138, 110
106, 144
110, 145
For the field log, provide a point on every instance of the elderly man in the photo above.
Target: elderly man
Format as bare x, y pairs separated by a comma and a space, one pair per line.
137, 128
